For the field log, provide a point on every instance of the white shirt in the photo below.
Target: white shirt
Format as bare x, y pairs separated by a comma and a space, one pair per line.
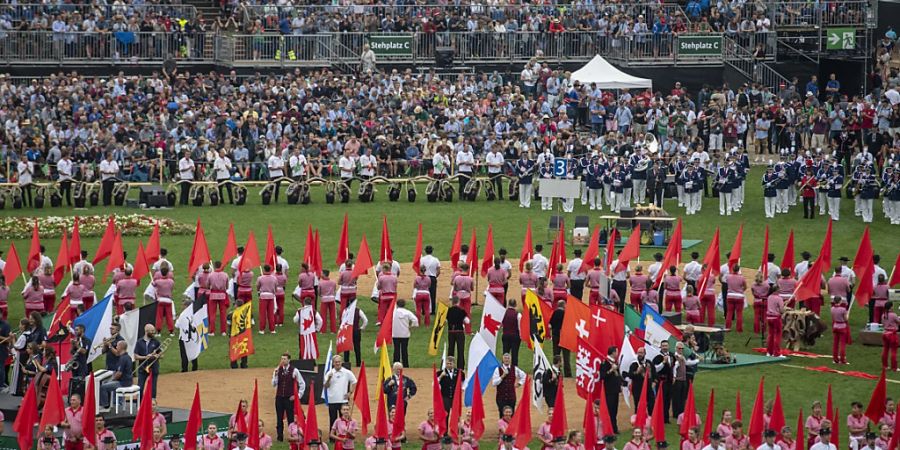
404, 320
653, 270
724, 270
494, 158
222, 167
159, 262
878, 271
774, 273
78, 267
298, 165
337, 383
539, 265
367, 164
186, 169
431, 265
301, 385
45, 262
346, 164
801, 268
108, 170
276, 166
284, 264
64, 169
710, 447
464, 161
821, 446
765, 446
574, 269
441, 164
848, 273
26, 170
395, 268
520, 376
693, 270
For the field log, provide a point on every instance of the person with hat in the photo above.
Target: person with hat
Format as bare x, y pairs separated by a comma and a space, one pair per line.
609, 442
175, 442
241, 439
807, 186
870, 438
107, 443
769, 441
725, 178
507, 442
769, 180
824, 440
715, 442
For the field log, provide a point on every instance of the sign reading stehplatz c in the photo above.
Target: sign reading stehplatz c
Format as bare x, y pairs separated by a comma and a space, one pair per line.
699, 45
391, 45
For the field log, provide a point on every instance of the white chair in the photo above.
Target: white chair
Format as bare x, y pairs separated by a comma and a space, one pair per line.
131, 395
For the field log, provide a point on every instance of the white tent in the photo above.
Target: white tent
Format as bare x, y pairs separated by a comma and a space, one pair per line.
606, 76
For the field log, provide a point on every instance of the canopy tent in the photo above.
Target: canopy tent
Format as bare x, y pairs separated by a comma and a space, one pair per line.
607, 76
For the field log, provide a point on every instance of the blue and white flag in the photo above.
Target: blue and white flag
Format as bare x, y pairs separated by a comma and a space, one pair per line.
193, 329
327, 369
96, 322
483, 361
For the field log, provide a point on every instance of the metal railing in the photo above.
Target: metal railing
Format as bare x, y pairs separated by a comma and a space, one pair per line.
28, 11
803, 14
741, 59
43, 47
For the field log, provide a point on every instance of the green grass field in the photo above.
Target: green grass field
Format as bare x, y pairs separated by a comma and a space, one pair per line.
799, 387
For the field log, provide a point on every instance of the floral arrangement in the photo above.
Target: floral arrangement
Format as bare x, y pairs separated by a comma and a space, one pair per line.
89, 226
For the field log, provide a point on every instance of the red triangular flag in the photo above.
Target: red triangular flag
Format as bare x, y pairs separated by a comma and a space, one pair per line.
106, 242
640, 415
26, 417
61, 318
456, 410
672, 256
240, 419
487, 260
895, 279
34, 251
90, 407
299, 418
62, 260
710, 416
386, 254
551, 262
527, 248
250, 257
787, 260
877, 402
230, 247
143, 424
399, 423
689, 420
363, 258
318, 254
456, 245
561, 256
800, 425
309, 249
13, 267
829, 404
631, 250
895, 437
437, 404
116, 256
199, 251
591, 253
385, 332
417, 254
559, 425
825, 252
777, 421
757, 420
735, 255
605, 420
472, 257
54, 410
195, 421
657, 422
520, 424
270, 248
738, 409
75, 243
141, 268
525, 327
589, 425
361, 398
610, 248
153, 245
311, 430
764, 265
811, 282
381, 420
864, 268
343, 251
253, 426
836, 428
477, 410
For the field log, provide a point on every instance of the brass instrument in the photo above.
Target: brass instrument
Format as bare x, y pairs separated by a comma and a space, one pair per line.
153, 357
104, 343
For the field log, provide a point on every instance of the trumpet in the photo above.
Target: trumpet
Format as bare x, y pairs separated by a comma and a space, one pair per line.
71, 366
147, 364
104, 343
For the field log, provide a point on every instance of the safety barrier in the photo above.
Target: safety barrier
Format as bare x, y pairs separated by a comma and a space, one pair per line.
48, 47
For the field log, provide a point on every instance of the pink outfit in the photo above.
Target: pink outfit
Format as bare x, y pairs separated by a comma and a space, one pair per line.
838, 286
462, 289
430, 438
327, 292
267, 286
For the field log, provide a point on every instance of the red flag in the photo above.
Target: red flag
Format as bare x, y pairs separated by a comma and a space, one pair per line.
738, 410
607, 327
309, 249
141, 268
361, 398
735, 256
710, 416
385, 332
825, 252
640, 415
764, 265
589, 425
577, 317
487, 260
106, 242
864, 268
477, 410
34, 252
250, 257
757, 420
399, 423
195, 421
381, 420
525, 327
456, 410
672, 256
317, 254
230, 247
343, 251
472, 257
270, 248
61, 318
559, 425
311, 430
142, 430
801, 425
895, 436
657, 421
895, 279
690, 413
457, 244
836, 428
363, 258
610, 248
551, 262
787, 260
520, 424
116, 256
240, 419
62, 260
299, 419
591, 253
605, 420
810, 284
75, 244
585, 380
877, 401
90, 408
26, 418
712, 258
437, 404
253, 426
199, 251
631, 250
777, 421
153, 245
561, 256
386, 254
54, 410
527, 248
829, 404
417, 254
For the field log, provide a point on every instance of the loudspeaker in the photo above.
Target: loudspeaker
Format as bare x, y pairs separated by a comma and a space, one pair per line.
443, 56
153, 196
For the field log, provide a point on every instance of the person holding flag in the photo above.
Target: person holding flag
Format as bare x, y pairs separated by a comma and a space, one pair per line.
354, 317
735, 285
462, 286
217, 286
338, 384
422, 295
387, 291
327, 292
309, 324
344, 430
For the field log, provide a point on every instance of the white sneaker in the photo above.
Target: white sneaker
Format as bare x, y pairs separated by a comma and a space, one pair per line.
262, 332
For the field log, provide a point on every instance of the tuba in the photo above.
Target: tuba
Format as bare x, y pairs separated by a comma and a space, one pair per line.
650, 143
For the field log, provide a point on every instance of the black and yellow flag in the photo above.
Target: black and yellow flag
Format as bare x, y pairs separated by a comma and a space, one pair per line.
440, 322
241, 342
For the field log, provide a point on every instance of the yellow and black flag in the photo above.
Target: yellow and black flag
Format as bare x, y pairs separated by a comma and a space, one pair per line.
241, 342
440, 322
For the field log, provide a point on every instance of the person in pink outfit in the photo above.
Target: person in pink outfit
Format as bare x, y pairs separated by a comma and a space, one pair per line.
328, 300
266, 285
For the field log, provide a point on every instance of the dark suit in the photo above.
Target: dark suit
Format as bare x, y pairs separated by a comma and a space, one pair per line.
636, 374
146, 347
612, 384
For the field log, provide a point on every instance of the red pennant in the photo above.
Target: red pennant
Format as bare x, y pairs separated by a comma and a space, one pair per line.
764, 265
250, 257
456, 246
62, 260
757, 419
253, 426
363, 259
527, 248
309, 249
520, 424
106, 242
811, 282
477, 410
632, 249
657, 421
143, 424
270, 248
195, 421
13, 267
299, 418
386, 254
417, 254
689, 419
141, 268
864, 268
672, 256
487, 260
605, 420
385, 332
800, 430
472, 257
399, 423
640, 415
559, 425
34, 252
199, 251
61, 318
829, 404
738, 410
311, 430
230, 251
735, 255
710, 416
361, 398
610, 249
836, 428
895, 437
456, 410
153, 245
592, 252
75, 244
437, 404
26, 418
877, 402
787, 260
589, 425
54, 410
90, 407
343, 251
116, 256
318, 254
895, 279
777, 421
381, 420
